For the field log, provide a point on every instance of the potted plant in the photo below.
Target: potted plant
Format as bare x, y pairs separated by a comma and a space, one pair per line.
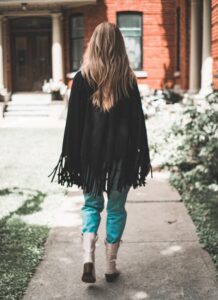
57, 89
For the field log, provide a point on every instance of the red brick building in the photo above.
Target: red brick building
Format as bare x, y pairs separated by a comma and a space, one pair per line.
173, 42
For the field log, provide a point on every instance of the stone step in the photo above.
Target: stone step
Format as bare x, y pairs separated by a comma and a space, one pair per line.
28, 102
26, 113
27, 108
28, 97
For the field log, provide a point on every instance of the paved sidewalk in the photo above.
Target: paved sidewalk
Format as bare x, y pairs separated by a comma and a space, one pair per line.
160, 257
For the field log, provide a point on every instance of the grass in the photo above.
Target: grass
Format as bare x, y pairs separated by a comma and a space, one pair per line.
21, 248
32, 204
27, 157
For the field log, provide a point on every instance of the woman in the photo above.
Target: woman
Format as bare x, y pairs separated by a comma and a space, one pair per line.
105, 147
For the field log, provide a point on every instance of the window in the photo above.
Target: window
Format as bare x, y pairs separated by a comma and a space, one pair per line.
76, 40
130, 25
178, 39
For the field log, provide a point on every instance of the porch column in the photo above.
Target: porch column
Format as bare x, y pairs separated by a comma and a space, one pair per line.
57, 52
207, 62
195, 45
1, 54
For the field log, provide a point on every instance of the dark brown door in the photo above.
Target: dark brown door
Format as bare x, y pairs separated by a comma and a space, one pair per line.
31, 60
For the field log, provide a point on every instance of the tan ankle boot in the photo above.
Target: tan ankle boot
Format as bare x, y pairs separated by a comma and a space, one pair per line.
89, 244
111, 255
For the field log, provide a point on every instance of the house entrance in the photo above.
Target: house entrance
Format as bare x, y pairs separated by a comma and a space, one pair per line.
31, 53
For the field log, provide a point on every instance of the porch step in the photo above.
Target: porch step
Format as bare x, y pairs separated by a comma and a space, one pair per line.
29, 97
27, 107
28, 104
26, 114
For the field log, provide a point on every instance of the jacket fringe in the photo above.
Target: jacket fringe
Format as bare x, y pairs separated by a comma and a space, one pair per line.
90, 184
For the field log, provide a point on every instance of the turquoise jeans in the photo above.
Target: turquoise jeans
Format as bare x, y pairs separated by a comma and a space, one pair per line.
116, 213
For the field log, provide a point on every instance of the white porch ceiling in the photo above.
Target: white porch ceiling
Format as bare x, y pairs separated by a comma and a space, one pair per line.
55, 2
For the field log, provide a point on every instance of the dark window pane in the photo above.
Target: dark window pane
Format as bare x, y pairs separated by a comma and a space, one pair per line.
130, 21
131, 28
77, 26
77, 35
77, 48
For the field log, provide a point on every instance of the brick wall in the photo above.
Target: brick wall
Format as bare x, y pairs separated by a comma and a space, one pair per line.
215, 40
158, 34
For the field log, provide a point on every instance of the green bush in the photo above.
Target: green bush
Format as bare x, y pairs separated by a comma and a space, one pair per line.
198, 140
194, 167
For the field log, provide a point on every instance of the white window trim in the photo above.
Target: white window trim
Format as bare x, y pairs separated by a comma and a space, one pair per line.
71, 75
176, 74
139, 74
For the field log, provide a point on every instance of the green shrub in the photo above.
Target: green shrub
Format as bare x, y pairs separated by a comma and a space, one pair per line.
194, 167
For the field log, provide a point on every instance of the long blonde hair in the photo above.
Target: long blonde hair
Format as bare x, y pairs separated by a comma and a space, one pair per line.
106, 66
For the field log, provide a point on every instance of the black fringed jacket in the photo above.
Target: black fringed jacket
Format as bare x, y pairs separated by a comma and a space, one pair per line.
94, 140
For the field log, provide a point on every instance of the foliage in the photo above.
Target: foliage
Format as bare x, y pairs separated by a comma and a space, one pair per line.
21, 247
197, 133
32, 204
194, 167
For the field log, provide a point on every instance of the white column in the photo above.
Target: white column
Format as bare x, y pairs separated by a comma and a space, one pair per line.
57, 52
1, 54
207, 61
195, 45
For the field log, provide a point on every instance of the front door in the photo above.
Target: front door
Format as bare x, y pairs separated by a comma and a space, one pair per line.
31, 61
31, 55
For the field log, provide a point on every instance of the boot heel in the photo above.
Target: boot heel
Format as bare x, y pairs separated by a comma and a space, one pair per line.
89, 240
111, 250
111, 277
88, 273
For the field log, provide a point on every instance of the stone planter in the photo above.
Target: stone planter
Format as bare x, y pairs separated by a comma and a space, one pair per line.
5, 98
56, 95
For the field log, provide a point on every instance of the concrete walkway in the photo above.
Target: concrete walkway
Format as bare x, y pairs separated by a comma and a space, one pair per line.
160, 257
